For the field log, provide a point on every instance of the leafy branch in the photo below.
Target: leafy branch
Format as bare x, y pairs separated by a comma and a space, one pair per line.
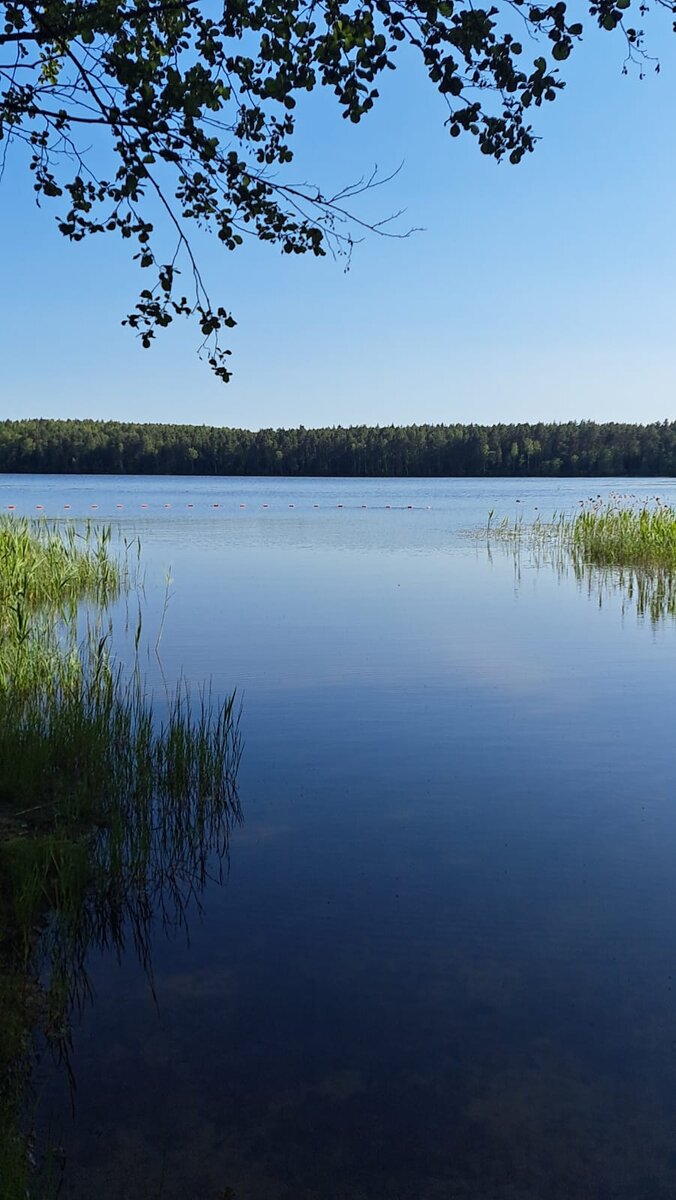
190, 108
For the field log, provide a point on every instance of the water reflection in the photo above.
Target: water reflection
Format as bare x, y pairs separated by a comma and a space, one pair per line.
648, 592
162, 837
442, 966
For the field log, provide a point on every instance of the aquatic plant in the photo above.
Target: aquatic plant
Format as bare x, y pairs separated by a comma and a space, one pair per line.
54, 564
616, 547
111, 808
617, 534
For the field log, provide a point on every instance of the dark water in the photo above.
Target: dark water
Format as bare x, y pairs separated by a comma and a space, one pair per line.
443, 962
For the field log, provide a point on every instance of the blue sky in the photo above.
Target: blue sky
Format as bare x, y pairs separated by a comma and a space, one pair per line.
540, 292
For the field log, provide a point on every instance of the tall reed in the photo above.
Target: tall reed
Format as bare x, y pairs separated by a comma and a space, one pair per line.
110, 809
613, 533
618, 546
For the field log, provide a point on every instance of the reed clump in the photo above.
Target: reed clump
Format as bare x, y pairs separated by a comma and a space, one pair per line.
619, 546
51, 565
610, 534
110, 809
626, 536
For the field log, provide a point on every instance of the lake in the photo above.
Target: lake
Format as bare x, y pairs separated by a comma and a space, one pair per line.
441, 961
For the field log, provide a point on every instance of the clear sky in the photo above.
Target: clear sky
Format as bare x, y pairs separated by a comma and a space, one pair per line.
545, 291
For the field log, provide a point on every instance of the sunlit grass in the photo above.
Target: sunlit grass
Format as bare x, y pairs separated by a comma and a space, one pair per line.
620, 546
626, 536
49, 564
615, 533
110, 808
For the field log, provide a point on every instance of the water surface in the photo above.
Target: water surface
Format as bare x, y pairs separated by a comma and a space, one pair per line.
442, 961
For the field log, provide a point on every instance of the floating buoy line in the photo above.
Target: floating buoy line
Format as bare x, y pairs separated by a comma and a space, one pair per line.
41, 508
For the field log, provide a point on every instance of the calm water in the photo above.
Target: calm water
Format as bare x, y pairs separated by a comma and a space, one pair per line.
443, 962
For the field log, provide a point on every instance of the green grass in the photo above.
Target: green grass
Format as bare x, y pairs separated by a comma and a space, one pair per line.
611, 548
614, 534
52, 565
110, 811
626, 536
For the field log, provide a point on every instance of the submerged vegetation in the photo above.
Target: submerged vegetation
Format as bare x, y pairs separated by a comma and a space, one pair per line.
616, 546
110, 810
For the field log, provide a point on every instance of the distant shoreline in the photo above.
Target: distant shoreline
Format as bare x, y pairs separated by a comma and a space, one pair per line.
576, 449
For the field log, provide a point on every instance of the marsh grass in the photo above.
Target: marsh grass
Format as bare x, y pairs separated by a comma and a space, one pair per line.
620, 547
52, 565
112, 813
613, 534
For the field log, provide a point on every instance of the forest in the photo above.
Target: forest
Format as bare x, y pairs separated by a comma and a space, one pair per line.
552, 449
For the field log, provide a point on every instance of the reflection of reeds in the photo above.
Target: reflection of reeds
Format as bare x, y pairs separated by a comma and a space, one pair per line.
613, 548
110, 812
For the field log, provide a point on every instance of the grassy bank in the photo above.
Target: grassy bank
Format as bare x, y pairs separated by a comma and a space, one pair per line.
109, 811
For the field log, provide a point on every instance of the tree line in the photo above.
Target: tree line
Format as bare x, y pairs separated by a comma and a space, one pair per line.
112, 447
